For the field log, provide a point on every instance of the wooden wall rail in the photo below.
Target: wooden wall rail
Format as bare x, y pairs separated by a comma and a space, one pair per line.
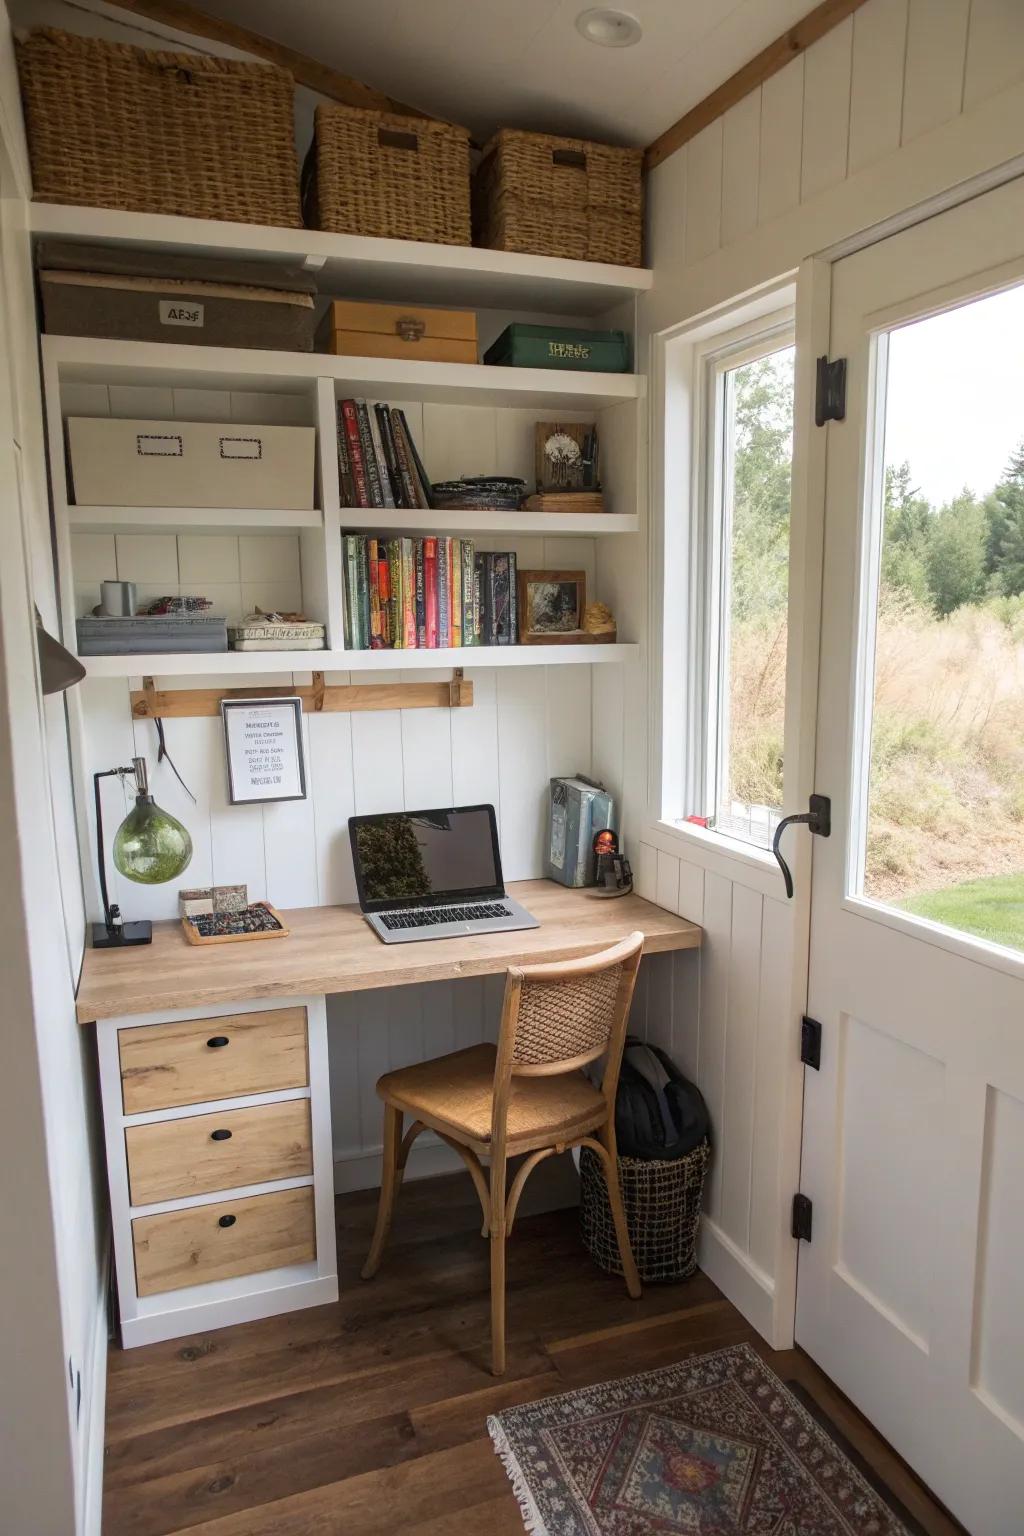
319, 697
761, 68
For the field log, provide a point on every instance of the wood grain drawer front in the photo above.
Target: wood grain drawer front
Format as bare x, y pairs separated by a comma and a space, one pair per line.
165, 1065
215, 1242
203, 1153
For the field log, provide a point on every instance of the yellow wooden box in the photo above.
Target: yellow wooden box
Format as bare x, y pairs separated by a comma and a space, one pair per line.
352, 328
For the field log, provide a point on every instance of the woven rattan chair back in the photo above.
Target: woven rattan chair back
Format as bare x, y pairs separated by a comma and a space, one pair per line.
558, 1018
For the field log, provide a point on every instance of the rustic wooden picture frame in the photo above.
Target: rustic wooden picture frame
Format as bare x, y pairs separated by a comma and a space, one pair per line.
529, 634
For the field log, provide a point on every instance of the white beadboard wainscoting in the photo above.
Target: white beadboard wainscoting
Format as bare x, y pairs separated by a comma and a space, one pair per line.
721, 1013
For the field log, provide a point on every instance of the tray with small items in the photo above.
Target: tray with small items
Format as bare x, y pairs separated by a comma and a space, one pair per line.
260, 921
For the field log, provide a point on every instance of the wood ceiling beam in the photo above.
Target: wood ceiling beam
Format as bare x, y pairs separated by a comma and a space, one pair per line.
309, 72
767, 63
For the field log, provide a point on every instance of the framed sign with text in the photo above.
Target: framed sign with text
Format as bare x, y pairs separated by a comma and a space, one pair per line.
263, 741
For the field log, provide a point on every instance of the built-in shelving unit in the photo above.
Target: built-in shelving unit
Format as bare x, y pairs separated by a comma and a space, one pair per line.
460, 414
361, 267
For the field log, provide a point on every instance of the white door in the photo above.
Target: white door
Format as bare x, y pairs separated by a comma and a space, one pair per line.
911, 1290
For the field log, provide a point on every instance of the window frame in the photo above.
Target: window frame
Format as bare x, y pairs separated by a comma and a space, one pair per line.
707, 640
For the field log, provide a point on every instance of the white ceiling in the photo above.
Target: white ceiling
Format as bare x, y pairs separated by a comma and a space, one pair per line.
521, 63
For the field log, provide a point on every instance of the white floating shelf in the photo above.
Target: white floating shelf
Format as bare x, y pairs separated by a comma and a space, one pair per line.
392, 520
358, 266
174, 519
242, 662
84, 360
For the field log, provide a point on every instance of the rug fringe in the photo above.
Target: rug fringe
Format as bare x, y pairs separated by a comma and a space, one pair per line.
532, 1522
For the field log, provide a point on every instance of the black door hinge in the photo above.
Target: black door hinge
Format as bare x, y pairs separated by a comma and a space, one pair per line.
810, 1043
803, 1212
830, 391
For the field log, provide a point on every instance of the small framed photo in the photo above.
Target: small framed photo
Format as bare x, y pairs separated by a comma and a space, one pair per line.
550, 607
263, 742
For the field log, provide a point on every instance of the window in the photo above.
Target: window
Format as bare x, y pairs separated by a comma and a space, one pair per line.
742, 572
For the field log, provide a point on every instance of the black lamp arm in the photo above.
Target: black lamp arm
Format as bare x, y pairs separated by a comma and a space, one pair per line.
106, 773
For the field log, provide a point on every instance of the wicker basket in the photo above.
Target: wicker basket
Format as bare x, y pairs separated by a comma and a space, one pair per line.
118, 127
560, 197
372, 173
663, 1204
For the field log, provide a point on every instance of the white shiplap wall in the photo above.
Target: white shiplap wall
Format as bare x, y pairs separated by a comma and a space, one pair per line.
897, 104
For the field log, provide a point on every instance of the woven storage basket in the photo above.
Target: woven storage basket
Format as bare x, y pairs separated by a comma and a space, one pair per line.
663, 1205
373, 173
560, 197
118, 127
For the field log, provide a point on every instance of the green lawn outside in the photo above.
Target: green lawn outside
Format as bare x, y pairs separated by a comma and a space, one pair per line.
992, 909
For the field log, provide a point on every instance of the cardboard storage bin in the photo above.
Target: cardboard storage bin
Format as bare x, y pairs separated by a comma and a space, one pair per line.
117, 463
351, 328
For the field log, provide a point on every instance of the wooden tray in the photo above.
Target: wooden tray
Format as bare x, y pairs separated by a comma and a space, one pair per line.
194, 937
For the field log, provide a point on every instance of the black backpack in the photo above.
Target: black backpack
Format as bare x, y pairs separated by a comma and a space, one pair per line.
658, 1112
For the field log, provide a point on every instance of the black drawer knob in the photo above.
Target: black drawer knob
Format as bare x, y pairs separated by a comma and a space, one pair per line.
216, 1041
227, 1221
220, 1135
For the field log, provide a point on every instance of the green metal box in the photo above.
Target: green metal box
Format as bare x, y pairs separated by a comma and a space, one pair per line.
560, 346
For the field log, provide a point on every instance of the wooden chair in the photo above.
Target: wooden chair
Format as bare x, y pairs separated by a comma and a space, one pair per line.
526, 1095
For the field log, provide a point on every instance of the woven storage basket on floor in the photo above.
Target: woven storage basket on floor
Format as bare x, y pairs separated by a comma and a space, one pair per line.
373, 173
560, 197
663, 1204
112, 126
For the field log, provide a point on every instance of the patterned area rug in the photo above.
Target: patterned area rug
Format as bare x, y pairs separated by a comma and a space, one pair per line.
716, 1446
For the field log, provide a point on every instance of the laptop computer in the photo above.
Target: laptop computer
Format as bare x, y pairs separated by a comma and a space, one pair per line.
432, 874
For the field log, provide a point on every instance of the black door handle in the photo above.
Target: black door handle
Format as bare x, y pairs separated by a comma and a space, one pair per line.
216, 1041
818, 820
220, 1135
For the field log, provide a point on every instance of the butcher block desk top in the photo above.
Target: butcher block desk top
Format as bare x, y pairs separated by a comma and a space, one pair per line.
332, 949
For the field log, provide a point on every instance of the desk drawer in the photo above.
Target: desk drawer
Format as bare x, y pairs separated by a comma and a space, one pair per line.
164, 1065
232, 1237
202, 1153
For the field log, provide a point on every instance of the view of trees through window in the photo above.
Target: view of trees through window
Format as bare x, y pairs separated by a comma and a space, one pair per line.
759, 446
945, 825
945, 833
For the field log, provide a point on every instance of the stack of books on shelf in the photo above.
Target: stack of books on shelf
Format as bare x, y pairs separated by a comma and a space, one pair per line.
378, 463
426, 594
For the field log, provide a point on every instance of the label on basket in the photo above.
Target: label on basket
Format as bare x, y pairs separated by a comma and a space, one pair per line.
174, 312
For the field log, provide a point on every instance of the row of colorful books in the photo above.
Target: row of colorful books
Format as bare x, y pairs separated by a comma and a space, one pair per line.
405, 594
378, 462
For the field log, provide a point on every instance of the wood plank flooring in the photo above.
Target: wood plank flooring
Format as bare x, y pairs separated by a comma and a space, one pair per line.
368, 1418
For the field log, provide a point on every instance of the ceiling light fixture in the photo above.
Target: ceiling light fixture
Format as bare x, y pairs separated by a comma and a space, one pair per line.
609, 28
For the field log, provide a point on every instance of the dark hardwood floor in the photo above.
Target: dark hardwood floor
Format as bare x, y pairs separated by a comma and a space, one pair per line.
368, 1418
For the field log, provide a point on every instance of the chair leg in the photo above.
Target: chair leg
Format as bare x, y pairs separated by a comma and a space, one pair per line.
497, 1229
391, 1178
611, 1176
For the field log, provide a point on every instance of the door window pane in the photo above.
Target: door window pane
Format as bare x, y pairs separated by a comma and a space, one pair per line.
944, 830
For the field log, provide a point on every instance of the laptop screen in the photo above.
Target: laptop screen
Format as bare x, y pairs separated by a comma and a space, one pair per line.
413, 858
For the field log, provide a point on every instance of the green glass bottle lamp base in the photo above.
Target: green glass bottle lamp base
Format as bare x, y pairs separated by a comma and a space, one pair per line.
150, 847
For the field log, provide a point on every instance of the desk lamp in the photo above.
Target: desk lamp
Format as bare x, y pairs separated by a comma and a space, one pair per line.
150, 847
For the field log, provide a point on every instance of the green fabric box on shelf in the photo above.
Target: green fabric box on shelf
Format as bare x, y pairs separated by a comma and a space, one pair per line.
560, 346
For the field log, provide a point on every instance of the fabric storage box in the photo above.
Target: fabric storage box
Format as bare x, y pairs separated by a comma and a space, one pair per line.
374, 173
113, 126
350, 328
560, 197
577, 809
120, 463
560, 346
140, 296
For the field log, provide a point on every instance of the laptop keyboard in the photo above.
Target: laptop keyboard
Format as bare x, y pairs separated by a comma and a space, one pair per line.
424, 917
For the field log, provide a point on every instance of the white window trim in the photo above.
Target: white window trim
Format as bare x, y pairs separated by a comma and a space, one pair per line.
679, 360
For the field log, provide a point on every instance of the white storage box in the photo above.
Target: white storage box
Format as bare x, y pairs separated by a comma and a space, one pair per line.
117, 463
